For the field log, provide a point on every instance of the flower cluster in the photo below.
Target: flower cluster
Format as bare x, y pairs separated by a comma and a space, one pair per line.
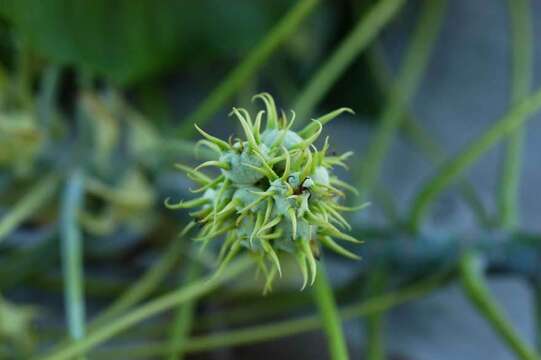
275, 194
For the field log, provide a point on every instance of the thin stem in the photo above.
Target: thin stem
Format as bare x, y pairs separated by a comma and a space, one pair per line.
192, 291
183, 320
411, 70
247, 68
48, 92
324, 298
366, 30
145, 285
453, 168
72, 254
475, 287
522, 67
537, 304
32, 201
261, 333
375, 323
425, 141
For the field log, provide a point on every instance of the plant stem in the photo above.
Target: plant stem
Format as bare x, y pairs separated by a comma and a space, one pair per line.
247, 68
72, 257
375, 339
32, 201
411, 70
366, 30
537, 305
522, 39
453, 168
47, 96
332, 325
192, 291
260, 333
183, 320
145, 285
425, 141
475, 287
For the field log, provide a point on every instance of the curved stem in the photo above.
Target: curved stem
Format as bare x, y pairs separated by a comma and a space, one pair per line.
183, 319
72, 257
475, 287
423, 140
453, 168
192, 291
242, 73
410, 75
260, 333
332, 325
367, 28
522, 35
145, 285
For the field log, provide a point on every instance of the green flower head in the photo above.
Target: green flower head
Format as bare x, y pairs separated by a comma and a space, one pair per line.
276, 193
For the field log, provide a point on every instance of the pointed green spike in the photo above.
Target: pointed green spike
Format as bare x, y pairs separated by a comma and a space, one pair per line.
301, 261
311, 260
272, 116
246, 126
328, 242
323, 120
219, 164
185, 204
220, 143
310, 139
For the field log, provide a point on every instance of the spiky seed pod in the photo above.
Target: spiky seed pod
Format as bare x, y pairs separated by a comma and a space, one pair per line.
276, 193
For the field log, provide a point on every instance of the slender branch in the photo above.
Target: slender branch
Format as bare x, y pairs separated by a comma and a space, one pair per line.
522, 68
475, 287
192, 291
247, 68
537, 304
410, 74
366, 30
375, 323
324, 298
453, 168
261, 333
424, 141
72, 256
183, 320
144, 286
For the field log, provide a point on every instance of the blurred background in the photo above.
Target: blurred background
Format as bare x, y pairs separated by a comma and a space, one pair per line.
98, 101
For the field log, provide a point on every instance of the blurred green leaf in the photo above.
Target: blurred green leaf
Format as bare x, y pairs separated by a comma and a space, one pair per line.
128, 40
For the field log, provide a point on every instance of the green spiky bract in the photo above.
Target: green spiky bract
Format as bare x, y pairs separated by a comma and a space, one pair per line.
276, 193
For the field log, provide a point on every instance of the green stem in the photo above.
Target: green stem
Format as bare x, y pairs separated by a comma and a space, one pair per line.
522, 67
47, 98
32, 201
324, 298
366, 30
537, 304
145, 285
183, 320
260, 333
72, 254
375, 335
247, 68
475, 287
453, 168
192, 291
425, 141
410, 75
